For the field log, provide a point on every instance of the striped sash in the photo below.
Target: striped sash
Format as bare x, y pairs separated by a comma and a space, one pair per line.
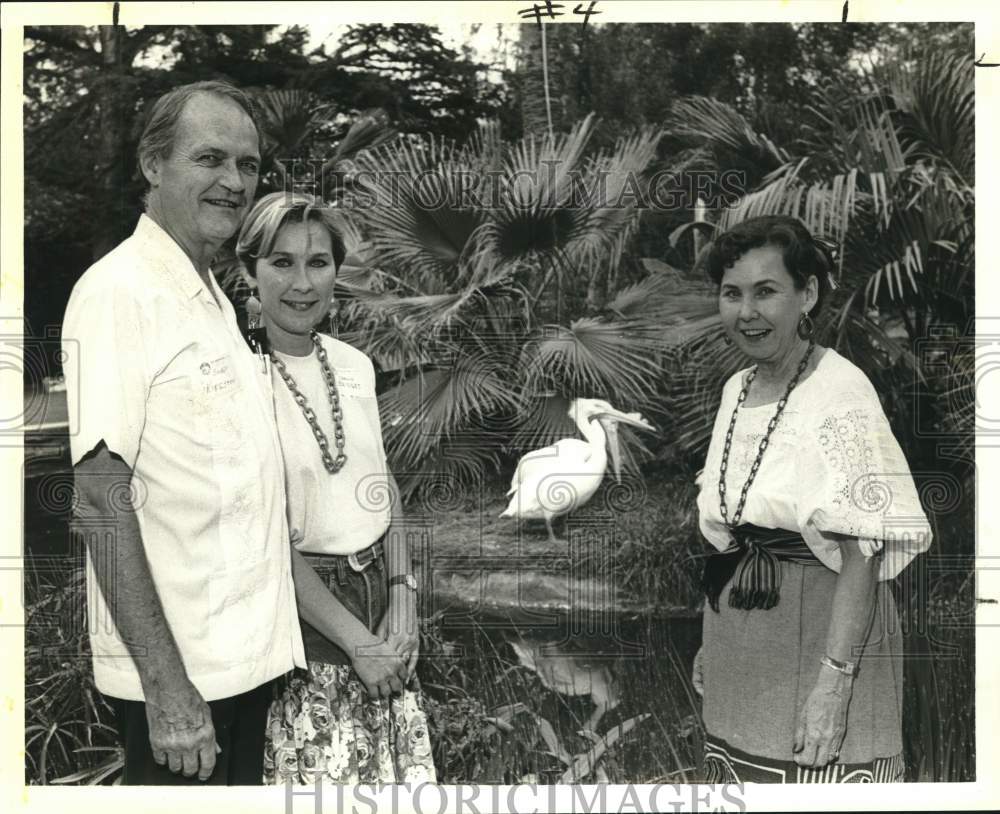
752, 561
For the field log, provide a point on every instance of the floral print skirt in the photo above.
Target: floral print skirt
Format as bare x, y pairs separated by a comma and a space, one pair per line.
324, 727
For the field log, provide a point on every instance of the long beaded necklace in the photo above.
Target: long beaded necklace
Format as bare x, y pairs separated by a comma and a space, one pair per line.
332, 465
763, 442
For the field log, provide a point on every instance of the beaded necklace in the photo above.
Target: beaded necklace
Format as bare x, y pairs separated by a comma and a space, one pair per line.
763, 442
332, 465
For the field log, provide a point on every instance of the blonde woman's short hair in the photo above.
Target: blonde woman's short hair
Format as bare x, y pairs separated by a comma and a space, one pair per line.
270, 213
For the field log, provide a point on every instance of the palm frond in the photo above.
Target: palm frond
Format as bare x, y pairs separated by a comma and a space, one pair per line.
420, 218
935, 97
289, 118
434, 405
447, 474
706, 121
617, 361
610, 212
370, 130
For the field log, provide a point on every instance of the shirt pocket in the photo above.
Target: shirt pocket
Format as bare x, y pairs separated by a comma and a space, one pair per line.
218, 401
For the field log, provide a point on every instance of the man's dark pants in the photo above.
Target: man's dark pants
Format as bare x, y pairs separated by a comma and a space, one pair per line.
239, 724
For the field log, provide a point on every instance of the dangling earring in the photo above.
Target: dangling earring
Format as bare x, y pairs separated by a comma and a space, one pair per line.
805, 327
252, 306
256, 336
332, 319
727, 340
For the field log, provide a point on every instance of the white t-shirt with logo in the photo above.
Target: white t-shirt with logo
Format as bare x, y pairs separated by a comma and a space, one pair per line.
347, 511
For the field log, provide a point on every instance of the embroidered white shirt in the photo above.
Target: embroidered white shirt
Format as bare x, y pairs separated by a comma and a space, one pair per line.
349, 510
167, 382
832, 466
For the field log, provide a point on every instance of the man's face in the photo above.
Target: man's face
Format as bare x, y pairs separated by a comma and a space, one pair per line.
203, 189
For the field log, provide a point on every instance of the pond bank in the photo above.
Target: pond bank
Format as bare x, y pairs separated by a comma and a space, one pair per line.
633, 550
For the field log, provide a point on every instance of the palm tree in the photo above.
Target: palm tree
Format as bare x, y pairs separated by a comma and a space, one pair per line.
475, 254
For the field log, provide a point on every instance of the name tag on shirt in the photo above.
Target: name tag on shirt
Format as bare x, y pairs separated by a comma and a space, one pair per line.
217, 376
352, 382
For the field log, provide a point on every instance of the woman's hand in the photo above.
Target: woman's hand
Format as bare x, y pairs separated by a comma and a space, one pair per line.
399, 626
381, 669
697, 676
823, 720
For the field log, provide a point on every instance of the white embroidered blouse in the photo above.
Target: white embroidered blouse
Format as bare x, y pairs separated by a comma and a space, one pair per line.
832, 466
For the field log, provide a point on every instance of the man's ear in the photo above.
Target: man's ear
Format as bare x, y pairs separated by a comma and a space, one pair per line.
150, 166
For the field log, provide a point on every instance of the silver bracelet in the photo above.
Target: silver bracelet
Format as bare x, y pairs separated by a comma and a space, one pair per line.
848, 668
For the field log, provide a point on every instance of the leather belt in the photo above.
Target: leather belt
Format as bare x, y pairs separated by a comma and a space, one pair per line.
357, 562
360, 560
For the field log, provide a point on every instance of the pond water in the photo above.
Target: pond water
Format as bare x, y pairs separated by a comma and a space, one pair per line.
566, 677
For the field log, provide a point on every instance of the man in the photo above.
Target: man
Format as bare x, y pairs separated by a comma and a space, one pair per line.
196, 577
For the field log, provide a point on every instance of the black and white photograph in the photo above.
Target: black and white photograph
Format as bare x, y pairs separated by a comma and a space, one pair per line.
568, 400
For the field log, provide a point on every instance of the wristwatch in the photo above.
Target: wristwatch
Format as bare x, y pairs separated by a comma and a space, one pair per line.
408, 580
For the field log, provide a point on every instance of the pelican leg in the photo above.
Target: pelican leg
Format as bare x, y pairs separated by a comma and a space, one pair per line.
552, 534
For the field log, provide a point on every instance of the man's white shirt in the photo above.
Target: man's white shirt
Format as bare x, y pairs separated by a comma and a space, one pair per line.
164, 378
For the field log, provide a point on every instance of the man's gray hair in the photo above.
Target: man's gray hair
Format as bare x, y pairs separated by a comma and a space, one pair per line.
161, 126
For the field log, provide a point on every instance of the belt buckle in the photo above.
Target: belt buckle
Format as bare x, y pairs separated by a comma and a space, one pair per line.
356, 564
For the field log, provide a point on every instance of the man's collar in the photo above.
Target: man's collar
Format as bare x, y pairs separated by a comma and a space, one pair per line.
178, 265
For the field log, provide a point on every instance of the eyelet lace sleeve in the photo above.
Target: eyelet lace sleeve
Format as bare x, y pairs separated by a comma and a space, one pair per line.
858, 483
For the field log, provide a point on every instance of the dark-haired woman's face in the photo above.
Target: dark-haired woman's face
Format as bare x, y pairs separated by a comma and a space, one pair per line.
760, 306
295, 284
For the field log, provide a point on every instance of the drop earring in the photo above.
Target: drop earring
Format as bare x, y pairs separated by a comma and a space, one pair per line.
332, 320
256, 336
806, 327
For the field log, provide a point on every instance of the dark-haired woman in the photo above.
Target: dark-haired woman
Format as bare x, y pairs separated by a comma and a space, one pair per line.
810, 507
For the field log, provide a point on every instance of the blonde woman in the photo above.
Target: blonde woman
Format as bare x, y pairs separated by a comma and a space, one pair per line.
354, 715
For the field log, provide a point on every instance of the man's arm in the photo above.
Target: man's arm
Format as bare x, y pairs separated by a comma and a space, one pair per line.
181, 733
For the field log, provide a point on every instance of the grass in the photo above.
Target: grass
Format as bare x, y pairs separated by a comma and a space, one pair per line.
69, 729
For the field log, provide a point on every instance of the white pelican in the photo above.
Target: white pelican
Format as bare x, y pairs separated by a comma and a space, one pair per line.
554, 480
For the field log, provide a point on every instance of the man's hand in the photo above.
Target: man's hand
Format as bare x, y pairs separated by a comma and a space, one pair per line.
181, 732
381, 669
399, 626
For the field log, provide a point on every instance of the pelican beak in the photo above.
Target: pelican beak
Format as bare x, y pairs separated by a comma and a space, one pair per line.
611, 430
613, 416
610, 419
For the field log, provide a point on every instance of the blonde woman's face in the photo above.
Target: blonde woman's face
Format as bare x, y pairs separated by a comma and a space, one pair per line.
295, 283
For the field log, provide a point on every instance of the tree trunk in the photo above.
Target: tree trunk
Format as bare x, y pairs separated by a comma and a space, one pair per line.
113, 96
532, 70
